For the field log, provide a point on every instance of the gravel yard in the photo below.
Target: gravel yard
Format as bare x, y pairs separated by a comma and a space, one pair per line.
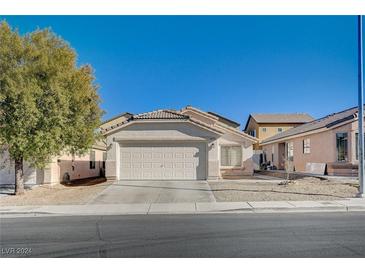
78, 192
271, 190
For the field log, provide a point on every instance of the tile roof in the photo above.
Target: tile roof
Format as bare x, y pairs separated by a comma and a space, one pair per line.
160, 115
282, 118
325, 122
175, 115
225, 120
117, 116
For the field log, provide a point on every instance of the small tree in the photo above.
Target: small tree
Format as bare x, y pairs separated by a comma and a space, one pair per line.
48, 105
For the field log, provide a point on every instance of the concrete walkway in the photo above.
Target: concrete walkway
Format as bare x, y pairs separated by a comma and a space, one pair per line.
347, 205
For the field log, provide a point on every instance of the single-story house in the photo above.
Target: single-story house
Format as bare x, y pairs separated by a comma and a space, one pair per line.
189, 144
330, 141
61, 168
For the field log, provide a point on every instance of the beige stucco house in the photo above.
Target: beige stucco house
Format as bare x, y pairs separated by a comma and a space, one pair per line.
189, 144
61, 168
65, 166
331, 140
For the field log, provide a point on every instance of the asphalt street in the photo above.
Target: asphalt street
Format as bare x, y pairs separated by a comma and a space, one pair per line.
210, 235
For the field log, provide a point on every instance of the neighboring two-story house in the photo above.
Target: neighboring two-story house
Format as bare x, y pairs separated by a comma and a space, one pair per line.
263, 126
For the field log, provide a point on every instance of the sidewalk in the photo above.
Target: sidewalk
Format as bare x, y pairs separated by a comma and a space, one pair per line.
347, 205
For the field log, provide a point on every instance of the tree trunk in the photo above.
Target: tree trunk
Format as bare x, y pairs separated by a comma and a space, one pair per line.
19, 177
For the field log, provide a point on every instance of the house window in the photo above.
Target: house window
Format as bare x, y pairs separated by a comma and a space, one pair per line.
342, 147
290, 151
231, 156
92, 159
252, 133
264, 129
306, 146
280, 129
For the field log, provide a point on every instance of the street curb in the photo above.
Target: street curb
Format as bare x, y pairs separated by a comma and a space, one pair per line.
37, 212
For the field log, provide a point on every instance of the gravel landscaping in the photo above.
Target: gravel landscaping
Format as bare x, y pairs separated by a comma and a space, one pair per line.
77, 193
260, 188
273, 190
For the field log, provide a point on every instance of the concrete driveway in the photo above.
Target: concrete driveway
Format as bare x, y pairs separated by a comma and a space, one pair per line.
140, 192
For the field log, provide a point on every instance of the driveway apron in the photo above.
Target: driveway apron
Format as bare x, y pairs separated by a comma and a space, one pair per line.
137, 192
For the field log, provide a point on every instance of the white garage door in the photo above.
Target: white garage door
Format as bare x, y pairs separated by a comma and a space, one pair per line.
186, 161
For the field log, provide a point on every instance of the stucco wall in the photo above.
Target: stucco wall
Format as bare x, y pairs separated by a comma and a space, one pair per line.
213, 160
7, 172
322, 147
180, 131
247, 155
162, 130
271, 130
81, 165
54, 171
159, 131
353, 128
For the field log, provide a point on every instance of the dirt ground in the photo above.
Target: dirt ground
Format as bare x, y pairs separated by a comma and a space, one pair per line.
251, 189
78, 192
303, 189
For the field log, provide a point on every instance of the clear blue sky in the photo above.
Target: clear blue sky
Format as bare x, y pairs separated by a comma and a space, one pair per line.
233, 65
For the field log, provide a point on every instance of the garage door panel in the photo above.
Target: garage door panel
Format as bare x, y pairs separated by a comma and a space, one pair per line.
179, 173
157, 165
147, 175
156, 175
168, 165
147, 155
178, 165
125, 155
137, 165
189, 175
136, 155
168, 174
163, 161
147, 165
168, 155
157, 155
